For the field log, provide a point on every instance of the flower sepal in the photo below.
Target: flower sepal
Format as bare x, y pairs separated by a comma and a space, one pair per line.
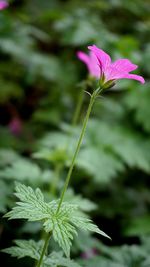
104, 84
109, 84
102, 80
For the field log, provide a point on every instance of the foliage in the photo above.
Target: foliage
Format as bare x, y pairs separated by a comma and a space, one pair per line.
32, 249
61, 223
125, 256
41, 80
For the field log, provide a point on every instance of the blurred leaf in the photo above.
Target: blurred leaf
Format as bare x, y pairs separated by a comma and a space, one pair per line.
7, 156
23, 169
138, 101
25, 248
5, 192
96, 162
139, 226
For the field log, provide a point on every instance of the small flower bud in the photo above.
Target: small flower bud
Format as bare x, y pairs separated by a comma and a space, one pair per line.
109, 84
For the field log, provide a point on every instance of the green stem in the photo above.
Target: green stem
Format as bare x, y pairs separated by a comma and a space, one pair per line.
93, 97
44, 249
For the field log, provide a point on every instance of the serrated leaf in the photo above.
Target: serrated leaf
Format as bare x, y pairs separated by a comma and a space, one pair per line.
86, 224
116, 148
22, 169
63, 230
32, 249
57, 259
62, 223
84, 204
25, 248
32, 206
95, 161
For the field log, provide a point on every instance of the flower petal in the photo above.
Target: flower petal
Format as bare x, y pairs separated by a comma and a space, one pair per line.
133, 77
124, 65
103, 58
83, 57
3, 4
91, 63
114, 74
119, 68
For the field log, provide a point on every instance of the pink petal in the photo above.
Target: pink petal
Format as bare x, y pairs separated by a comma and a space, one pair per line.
91, 63
133, 77
103, 58
115, 74
124, 65
3, 5
83, 57
112, 71
119, 68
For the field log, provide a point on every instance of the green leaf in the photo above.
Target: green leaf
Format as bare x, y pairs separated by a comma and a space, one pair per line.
22, 169
25, 248
116, 148
84, 223
139, 103
5, 193
62, 223
7, 156
57, 259
32, 206
95, 161
84, 204
139, 226
32, 249
124, 256
100, 261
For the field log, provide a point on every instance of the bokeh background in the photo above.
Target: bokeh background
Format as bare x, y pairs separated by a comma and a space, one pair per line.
41, 81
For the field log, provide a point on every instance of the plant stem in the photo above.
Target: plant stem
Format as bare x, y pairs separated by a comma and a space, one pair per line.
92, 99
44, 249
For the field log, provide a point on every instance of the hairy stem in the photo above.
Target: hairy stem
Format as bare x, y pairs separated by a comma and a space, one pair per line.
44, 249
92, 99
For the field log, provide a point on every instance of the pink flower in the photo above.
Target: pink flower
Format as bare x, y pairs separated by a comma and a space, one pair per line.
3, 4
100, 66
15, 126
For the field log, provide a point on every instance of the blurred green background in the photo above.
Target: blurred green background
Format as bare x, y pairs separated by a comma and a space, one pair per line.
40, 83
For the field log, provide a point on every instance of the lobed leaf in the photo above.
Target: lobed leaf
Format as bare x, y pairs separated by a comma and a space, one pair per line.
32, 249
62, 223
25, 248
32, 206
57, 259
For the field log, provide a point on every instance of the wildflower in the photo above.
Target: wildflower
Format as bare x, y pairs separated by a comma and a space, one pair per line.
100, 66
15, 126
3, 4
